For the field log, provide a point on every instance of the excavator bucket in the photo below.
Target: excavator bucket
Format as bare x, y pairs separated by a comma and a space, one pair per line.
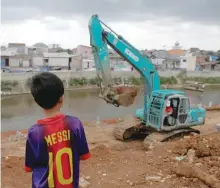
125, 96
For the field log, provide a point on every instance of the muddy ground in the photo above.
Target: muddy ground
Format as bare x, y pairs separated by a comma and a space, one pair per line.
116, 164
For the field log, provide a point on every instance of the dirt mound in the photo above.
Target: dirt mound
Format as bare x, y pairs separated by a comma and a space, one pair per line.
204, 146
199, 158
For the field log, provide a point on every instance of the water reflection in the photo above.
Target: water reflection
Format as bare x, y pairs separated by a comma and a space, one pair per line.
20, 111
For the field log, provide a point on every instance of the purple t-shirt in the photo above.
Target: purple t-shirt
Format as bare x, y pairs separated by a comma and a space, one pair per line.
54, 148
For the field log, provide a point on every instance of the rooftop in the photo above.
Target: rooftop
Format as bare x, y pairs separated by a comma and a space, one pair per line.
176, 52
8, 53
16, 44
40, 45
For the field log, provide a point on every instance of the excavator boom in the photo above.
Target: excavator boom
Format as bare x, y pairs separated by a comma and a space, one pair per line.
100, 37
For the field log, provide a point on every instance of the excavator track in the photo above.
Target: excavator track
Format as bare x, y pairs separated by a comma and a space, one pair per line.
127, 129
155, 137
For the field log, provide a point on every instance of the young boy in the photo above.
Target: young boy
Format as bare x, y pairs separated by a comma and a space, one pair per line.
57, 143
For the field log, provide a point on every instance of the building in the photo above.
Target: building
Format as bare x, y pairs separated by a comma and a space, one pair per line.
38, 49
117, 62
76, 63
53, 60
188, 63
54, 48
84, 51
12, 61
19, 47
20, 61
5, 59
199, 62
174, 56
88, 64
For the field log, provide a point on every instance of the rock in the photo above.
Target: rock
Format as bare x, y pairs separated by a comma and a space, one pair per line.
198, 164
130, 183
193, 134
151, 146
186, 137
153, 178
83, 183
87, 177
180, 158
195, 179
104, 174
191, 155
168, 177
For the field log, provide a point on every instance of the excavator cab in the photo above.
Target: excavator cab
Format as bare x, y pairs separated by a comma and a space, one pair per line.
182, 115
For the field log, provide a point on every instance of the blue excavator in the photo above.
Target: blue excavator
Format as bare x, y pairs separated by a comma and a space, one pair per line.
153, 122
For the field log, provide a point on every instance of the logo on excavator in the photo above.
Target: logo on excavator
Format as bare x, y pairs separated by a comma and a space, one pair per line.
134, 57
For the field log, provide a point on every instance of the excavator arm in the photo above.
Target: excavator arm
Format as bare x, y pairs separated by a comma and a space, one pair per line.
100, 37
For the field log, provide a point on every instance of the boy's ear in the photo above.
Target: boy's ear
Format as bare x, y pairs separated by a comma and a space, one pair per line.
61, 99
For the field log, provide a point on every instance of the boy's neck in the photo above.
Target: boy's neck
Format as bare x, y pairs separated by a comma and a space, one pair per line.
51, 113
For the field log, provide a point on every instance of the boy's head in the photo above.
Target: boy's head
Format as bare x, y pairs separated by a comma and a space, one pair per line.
47, 90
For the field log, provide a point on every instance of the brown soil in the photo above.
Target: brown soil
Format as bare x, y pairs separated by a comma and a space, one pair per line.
129, 164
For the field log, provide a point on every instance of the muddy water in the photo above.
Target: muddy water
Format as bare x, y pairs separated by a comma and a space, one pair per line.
20, 111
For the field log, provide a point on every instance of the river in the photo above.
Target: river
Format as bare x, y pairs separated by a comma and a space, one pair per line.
19, 112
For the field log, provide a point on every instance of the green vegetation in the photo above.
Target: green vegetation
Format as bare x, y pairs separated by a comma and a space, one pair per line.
80, 82
168, 80
205, 80
8, 85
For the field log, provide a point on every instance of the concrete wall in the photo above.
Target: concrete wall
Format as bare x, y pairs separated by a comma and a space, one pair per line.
58, 61
76, 62
91, 74
67, 75
14, 62
191, 63
38, 61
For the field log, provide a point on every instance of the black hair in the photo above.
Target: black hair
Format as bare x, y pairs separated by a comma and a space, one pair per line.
47, 89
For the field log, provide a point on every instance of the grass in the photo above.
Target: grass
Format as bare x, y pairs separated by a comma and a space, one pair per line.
206, 80
81, 82
7, 85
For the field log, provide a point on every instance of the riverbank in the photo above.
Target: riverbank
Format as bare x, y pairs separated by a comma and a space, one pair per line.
91, 88
17, 83
113, 162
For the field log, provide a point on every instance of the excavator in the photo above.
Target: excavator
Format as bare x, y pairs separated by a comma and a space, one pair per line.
152, 121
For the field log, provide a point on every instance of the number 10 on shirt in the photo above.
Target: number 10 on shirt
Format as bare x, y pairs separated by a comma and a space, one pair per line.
58, 161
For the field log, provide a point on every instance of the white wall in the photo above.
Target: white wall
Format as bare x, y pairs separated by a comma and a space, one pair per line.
88, 64
191, 63
13, 62
58, 61
26, 63
76, 62
37, 61
188, 62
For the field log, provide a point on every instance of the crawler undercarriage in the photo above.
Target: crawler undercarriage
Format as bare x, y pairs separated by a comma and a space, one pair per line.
130, 130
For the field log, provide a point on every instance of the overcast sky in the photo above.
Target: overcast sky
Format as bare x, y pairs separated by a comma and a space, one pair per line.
145, 23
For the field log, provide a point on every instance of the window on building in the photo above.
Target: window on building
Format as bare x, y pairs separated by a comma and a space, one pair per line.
184, 60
